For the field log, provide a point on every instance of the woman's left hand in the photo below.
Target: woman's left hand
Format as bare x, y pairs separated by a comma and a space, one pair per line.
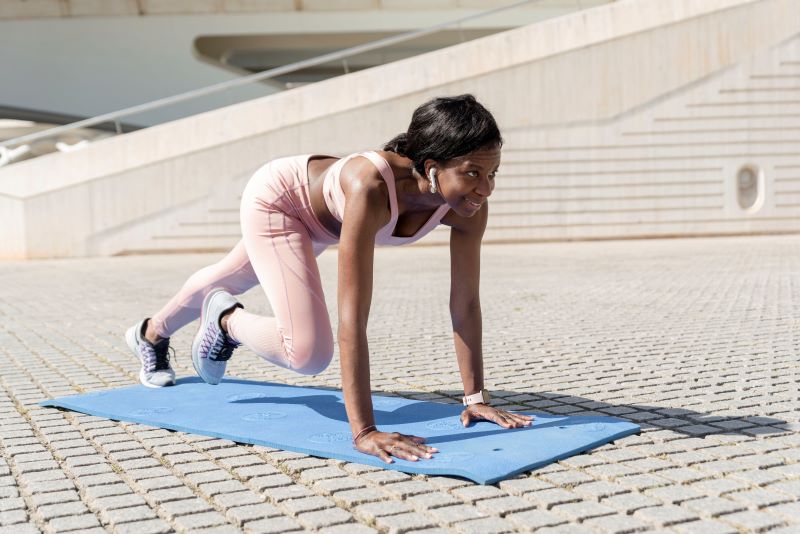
484, 412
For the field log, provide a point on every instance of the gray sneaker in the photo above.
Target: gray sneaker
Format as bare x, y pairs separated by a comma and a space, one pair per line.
212, 348
156, 371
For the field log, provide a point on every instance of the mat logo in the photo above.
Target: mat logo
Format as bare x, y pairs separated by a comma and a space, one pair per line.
445, 424
263, 416
330, 437
152, 411
453, 457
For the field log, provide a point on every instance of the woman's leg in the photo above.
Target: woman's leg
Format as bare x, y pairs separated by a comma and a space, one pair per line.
282, 256
232, 273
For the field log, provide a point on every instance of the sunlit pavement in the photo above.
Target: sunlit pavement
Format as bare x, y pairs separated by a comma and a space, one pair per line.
697, 340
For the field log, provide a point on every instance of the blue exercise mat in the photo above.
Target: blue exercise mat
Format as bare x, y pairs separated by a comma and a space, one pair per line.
313, 421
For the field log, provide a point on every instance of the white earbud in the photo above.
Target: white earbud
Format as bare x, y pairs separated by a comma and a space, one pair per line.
434, 185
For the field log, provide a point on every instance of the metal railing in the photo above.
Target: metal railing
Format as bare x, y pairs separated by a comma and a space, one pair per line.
114, 117
339, 55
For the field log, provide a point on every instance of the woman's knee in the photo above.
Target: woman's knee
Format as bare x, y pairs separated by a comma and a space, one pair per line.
311, 356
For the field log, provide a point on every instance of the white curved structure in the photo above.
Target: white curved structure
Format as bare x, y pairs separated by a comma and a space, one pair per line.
625, 120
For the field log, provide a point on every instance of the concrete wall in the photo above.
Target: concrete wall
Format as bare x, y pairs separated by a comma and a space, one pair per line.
566, 91
85, 65
29, 9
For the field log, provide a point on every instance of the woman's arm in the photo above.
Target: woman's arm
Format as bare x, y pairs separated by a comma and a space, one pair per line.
366, 211
361, 222
465, 311
465, 304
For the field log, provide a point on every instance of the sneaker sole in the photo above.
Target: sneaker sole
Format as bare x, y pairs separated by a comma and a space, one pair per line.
130, 339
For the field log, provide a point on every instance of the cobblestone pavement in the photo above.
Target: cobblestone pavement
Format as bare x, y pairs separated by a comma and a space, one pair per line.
696, 340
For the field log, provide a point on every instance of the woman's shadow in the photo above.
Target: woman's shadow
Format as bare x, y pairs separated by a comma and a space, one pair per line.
552, 408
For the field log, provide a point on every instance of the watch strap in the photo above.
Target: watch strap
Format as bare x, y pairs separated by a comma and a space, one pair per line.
476, 398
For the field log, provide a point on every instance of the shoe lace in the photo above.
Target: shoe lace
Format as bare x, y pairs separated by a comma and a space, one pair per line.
156, 357
217, 345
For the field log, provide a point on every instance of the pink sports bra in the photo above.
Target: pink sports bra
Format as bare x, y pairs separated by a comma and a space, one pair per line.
334, 199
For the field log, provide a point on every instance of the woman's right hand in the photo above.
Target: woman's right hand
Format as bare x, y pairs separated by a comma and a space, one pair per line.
384, 445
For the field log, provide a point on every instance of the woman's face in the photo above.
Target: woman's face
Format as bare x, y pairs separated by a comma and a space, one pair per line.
467, 181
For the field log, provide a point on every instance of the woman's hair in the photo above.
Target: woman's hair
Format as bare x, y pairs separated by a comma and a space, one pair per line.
445, 128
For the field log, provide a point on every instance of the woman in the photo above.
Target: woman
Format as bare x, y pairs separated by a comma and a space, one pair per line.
441, 170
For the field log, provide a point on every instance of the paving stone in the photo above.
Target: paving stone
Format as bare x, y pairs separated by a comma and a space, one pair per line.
551, 497
665, 515
27, 528
616, 524
270, 481
200, 520
107, 490
73, 522
752, 520
611, 471
705, 527
713, 506
12, 517
385, 477
273, 525
350, 528
790, 511
534, 519
14, 503
307, 504
324, 518
580, 511
251, 512
674, 494
719, 486
521, 486
404, 522
225, 486
286, 493
402, 490
449, 515
682, 475
332, 485
791, 529
240, 498
599, 489
427, 501
149, 526
117, 516
7, 492
504, 505
250, 471
487, 525
760, 498
349, 498
567, 529
119, 501
51, 511
372, 511
185, 507
789, 488
567, 478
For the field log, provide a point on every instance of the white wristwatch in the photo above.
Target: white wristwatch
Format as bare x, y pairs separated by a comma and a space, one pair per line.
476, 398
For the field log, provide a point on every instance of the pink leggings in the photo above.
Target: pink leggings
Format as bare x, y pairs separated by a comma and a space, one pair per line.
281, 240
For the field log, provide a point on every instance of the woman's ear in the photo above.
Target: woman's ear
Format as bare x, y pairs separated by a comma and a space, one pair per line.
430, 165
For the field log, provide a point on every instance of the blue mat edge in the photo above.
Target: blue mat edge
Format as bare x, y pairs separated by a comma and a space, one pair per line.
357, 457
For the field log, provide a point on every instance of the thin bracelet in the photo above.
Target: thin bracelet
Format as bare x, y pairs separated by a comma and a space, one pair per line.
363, 433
